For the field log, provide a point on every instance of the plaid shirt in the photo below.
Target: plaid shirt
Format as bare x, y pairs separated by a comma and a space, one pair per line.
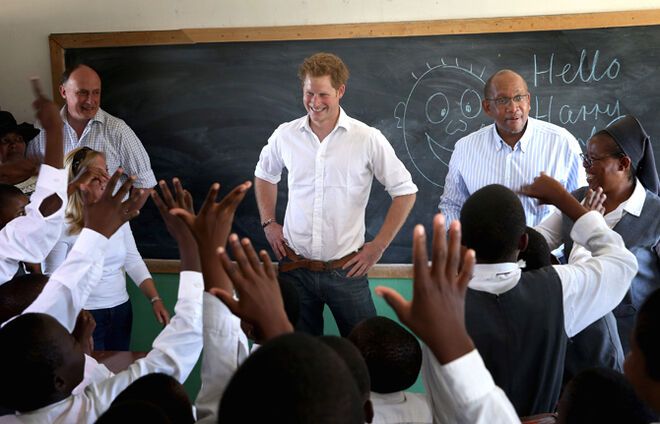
109, 135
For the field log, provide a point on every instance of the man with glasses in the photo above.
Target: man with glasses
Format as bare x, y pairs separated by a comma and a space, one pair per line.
511, 152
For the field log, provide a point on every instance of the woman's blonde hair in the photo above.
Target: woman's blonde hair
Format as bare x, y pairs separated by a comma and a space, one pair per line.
76, 161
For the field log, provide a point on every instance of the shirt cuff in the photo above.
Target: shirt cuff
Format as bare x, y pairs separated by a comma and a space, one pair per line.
467, 377
218, 319
52, 179
585, 227
145, 179
403, 189
89, 241
260, 173
191, 286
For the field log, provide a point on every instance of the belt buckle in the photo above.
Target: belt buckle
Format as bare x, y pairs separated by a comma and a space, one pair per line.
327, 266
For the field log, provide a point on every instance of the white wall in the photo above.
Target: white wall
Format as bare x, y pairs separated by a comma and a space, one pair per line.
25, 25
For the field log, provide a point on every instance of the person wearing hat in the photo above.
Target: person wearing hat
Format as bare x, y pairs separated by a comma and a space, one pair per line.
15, 168
620, 161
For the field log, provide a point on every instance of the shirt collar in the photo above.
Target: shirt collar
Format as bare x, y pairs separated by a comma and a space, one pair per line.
521, 144
342, 122
495, 278
387, 398
99, 117
636, 200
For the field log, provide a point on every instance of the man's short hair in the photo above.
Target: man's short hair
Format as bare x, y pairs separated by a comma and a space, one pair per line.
537, 255
488, 87
492, 222
353, 359
19, 293
134, 411
322, 64
292, 378
393, 354
8, 191
29, 358
71, 68
163, 391
647, 334
602, 395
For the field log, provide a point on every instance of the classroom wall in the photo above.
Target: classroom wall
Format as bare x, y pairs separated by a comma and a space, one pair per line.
25, 25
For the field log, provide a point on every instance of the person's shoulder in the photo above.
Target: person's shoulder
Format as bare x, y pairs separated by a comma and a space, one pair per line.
553, 132
480, 136
289, 127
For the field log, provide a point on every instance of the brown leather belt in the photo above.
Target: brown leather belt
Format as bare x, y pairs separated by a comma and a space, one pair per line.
298, 261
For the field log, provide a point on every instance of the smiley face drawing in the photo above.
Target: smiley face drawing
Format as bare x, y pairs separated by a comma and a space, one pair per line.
444, 105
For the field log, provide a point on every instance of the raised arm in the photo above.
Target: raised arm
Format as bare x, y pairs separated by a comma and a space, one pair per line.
460, 388
594, 286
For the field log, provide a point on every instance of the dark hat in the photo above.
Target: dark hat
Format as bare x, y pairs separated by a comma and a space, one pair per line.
630, 136
8, 125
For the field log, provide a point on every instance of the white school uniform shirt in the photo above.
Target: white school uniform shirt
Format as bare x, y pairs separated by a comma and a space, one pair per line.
463, 390
174, 352
329, 182
401, 408
121, 257
483, 158
31, 237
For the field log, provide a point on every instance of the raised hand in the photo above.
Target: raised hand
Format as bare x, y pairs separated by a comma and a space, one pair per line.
49, 116
211, 227
259, 298
594, 200
166, 202
436, 312
550, 191
109, 212
86, 176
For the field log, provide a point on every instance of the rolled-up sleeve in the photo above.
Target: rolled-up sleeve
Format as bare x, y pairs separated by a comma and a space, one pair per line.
388, 168
270, 165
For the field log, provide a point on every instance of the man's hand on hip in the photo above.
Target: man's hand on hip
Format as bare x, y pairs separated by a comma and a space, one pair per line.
275, 237
367, 257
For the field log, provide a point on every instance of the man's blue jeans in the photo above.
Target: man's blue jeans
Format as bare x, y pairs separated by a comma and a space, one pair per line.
348, 298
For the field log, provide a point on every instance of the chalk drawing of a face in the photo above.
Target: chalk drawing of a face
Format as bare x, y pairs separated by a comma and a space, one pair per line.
444, 105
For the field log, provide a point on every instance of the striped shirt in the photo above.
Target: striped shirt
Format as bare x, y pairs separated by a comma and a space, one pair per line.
483, 158
109, 135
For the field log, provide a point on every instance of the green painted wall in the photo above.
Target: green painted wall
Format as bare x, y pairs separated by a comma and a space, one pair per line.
146, 328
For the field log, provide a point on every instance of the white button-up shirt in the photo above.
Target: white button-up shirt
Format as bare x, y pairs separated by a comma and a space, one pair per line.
483, 158
329, 182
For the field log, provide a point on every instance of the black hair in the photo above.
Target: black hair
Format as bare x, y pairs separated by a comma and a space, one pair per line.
19, 293
71, 68
134, 411
290, 299
7, 192
353, 359
293, 378
29, 358
392, 353
537, 255
492, 222
163, 391
647, 334
602, 395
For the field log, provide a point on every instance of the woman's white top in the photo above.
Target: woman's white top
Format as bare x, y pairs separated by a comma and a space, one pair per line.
122, 256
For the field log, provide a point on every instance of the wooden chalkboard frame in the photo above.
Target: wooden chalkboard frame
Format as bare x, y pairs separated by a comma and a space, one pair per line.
59, 43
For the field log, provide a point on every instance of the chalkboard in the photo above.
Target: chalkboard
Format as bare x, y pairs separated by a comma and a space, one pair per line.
204, 111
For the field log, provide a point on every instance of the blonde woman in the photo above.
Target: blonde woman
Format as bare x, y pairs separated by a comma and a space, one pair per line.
109, 302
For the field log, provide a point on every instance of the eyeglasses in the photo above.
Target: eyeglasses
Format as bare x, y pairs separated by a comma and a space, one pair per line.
78, 158
588, 162
504, 101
